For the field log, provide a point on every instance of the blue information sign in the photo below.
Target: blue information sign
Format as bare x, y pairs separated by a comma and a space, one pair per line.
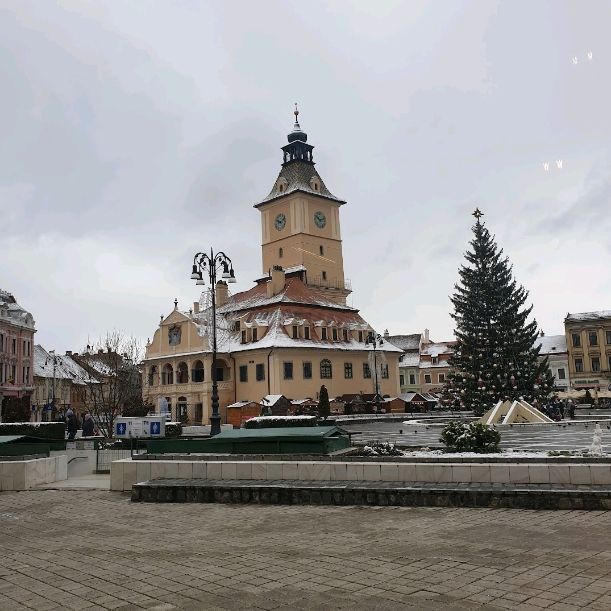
121, 428
155, 428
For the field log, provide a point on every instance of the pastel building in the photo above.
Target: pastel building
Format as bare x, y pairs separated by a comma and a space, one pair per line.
292, 331
588, 340
16, 351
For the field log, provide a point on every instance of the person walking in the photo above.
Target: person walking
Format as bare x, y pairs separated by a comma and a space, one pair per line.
88, 426
71, 426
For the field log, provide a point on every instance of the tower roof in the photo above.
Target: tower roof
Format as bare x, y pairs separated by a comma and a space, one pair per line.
298, 172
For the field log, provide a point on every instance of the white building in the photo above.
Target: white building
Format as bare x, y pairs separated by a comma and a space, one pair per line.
554, 348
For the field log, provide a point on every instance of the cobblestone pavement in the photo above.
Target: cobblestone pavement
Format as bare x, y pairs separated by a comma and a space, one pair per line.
97, 550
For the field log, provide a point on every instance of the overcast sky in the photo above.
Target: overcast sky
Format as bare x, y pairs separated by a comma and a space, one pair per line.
137, 132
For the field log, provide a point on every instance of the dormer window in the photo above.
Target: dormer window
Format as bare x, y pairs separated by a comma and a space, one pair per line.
254, 334
315, 183
244, 336
306, 332
295, 332
282, 184
334, 335
345, 334
324, 333
360, 336
434, 360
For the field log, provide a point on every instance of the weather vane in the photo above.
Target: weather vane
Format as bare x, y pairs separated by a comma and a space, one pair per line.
296, 111
478, 213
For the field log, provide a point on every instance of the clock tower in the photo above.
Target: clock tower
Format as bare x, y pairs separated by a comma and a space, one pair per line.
300, 221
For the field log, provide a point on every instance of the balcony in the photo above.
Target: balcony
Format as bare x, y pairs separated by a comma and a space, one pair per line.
327, 283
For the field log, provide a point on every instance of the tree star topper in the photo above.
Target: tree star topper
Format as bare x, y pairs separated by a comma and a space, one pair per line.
478, 213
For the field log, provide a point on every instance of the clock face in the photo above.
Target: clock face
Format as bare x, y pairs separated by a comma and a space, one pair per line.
320, 219
280, 222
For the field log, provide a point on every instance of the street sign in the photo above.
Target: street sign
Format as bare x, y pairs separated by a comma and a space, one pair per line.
151, 426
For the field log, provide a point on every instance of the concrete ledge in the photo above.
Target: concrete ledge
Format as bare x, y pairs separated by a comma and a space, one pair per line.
282, 492
125, 473
27, 474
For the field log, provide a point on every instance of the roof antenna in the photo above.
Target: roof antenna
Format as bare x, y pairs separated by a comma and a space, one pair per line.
296, 113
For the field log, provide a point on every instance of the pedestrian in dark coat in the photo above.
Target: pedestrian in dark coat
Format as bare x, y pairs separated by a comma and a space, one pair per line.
71, 426
88, 426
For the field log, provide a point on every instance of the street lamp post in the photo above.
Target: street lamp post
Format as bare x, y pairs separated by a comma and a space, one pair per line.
208, 264
52, 353
375, 340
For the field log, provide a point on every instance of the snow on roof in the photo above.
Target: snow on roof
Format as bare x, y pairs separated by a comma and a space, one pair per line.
271, 399
409, 359
276, 336
551, 344
13, 313
242, 403
584, 316
406, 342
64, 368
437, 348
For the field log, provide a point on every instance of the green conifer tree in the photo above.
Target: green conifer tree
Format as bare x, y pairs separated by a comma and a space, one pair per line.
496, 357
324, 407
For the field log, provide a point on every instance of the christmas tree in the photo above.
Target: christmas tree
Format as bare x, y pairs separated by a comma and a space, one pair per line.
495, 357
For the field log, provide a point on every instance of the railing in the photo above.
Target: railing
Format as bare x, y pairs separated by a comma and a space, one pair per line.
345, 285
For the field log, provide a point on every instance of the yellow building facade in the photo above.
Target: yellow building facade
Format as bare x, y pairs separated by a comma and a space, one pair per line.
588, 341
291, 332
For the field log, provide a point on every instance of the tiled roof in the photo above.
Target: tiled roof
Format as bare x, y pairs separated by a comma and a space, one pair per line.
298, 175
295, 291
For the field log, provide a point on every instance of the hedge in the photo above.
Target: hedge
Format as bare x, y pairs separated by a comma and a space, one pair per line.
270, 422
41, 430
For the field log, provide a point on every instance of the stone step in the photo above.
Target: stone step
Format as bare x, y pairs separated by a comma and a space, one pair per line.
417, 494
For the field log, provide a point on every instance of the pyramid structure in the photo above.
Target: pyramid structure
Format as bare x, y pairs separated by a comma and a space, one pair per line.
514, 412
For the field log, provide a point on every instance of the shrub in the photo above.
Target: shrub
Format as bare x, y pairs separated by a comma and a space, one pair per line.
42, 430
380, 449
173, 429
472, 437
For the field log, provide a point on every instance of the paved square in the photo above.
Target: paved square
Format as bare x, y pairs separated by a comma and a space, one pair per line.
97, 550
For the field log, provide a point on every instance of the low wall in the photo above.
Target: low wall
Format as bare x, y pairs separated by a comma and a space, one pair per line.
27, 474
125, 473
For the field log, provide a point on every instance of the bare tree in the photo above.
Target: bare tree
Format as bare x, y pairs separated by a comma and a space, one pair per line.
114, 384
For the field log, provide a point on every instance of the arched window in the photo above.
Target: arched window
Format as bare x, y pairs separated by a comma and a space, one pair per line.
182, 414
167, 374
197, 374
182, 373
326, 370
280, 253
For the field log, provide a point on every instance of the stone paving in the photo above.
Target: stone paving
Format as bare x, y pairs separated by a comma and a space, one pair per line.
97, 550
568, 435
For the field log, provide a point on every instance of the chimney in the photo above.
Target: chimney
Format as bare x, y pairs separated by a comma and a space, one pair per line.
100, 351
68, 352
222, 293
426, 336
196, 307
276, 282
386, 334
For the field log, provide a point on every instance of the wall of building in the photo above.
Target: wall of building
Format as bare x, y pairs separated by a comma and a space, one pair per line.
595, 358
